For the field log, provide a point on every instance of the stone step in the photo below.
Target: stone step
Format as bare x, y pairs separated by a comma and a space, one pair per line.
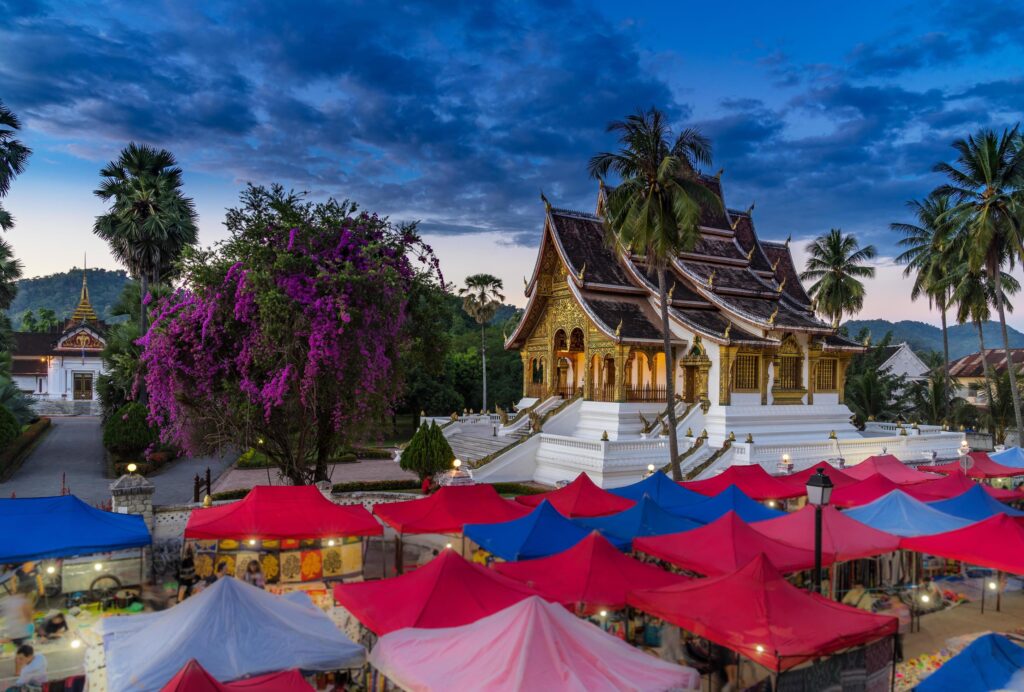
473, 448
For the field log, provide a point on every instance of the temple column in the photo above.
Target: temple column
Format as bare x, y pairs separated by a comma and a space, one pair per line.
813, 355
766, 360
527, 372
623, 360
842, 362
726, 356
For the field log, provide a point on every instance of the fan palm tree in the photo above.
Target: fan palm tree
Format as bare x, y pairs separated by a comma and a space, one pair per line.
987, 184
150, 221
655, 211
481, 298
836, 265
13, 155
926, 245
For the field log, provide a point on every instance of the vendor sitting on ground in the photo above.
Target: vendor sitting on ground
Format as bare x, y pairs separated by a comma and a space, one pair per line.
53, 626
858, 597
30, 667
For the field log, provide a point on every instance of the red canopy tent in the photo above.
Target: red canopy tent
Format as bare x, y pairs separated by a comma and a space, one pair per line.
281, 512
722, 546
863, 492
996, 543
449, 509
446, 592
753, 480
982, 467
842, 538
954, 484
593, 573
194, 678
757, 613
581, 498
890, 467
799, 479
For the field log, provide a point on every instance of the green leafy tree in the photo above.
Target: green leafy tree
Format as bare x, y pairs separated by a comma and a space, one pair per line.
481, 298
9, 428
428, 452
655, 210
16, 401
836, 263
13, 157
128, 432
45, 321
986, 181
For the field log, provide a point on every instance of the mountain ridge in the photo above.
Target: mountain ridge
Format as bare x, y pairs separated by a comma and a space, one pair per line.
924, 337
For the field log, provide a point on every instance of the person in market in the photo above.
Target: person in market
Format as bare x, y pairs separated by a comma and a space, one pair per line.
54, 625
17, 617
220, 573
187, 573
254, 575
30, 667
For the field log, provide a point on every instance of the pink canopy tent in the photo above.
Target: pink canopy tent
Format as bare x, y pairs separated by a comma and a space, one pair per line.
194, 678
863, 492
446, 592
581, 498
757, 613
982, 466
532, 645
890, 467
842, 538
799, 479
996, 543
753, 480
593, 574
953, 484
723, 546
449, 509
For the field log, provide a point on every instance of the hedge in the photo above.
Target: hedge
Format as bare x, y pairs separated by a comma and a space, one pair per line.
127, 432
391, 485
12, 457
9, 428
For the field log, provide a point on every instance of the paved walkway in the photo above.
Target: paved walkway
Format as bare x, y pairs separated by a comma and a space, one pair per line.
364, 470
73, 449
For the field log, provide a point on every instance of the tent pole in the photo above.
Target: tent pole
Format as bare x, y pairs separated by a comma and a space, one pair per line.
398, 553
999, 590
892, 673
983, 595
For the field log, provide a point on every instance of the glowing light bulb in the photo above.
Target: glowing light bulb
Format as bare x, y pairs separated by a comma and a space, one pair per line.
76, 643
457, 463
331, 543
51, 569
771, 503
132, 468
650, 467
98, 566
759, 648
252, 541
992, 585
925, 598
604, 613
448, 546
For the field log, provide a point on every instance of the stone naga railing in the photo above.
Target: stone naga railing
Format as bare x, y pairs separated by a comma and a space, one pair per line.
537, 421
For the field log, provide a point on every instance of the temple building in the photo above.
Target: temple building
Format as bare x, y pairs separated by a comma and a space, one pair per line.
62, 365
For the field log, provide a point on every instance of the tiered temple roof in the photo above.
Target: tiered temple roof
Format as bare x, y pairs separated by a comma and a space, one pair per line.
732, 288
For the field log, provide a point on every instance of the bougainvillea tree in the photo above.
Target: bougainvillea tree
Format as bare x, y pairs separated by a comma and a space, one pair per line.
285, 338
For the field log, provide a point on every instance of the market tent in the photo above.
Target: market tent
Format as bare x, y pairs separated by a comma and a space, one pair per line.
753, 480
842, 538
863, 492
996, 543
975, 504
542, 532
723, 546
593, 574
232, 629
901, 515
890, 467
955, 484
645, 518
280, 512
531, 645
62, 526
799, 479
988, 663
446, 592
194, 678
581, 498
448, 509
662, 489
757, 613
982, 466
1011, 456
732, 499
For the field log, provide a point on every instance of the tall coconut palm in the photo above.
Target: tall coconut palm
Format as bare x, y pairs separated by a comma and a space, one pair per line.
655, 210
150, 221
987, 183
835, 264
926, 244
481, 298
13, 155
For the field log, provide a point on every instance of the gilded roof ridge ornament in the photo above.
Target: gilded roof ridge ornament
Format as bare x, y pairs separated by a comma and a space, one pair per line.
711, 278
544, 199
771, 320
618, 330
671, 290
750, 209
782, 285
728, 328
788, 238
775, 264
583, 271
750, 254
718, 175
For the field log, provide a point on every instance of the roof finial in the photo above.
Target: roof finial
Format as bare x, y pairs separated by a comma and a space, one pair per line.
711, 278
771, 320
618, 330
782, 285
728, 328
84, 311
789, 238
547, 204
734, 223
671, 290
750, 255
750, 209
775, 265
719, 173
583, 270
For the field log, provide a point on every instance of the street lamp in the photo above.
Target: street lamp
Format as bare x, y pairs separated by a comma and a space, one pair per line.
650, 471
819, 492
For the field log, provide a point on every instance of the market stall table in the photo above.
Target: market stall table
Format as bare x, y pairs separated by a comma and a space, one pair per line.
581, 498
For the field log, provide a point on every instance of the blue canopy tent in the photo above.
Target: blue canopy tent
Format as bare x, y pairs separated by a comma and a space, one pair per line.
988, 663
1012, 456
667, 493
542, 532
645, 518
901, 515
974, 504
62, 526
732, 499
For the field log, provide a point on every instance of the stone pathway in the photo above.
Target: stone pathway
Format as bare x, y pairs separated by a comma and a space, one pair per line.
364, 470
73, 450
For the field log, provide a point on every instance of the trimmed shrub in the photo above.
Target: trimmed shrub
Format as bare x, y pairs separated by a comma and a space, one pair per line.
428, 452
373, 453
127, 432
9, 428
371, 486
17, 450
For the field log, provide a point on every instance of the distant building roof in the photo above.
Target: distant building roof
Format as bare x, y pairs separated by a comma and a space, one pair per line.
971, 364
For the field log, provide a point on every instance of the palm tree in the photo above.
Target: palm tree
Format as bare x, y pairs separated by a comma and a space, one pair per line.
987, 184
10, 272
481, 298
13, 155
150, 221
925, 248
655, 210
835, 264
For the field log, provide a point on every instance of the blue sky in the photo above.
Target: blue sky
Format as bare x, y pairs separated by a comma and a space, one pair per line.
459, 114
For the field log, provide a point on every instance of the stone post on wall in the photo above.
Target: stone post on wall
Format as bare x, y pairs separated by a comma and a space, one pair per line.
132, 493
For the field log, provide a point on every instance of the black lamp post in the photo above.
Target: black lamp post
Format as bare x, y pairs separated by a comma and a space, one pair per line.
819, 492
